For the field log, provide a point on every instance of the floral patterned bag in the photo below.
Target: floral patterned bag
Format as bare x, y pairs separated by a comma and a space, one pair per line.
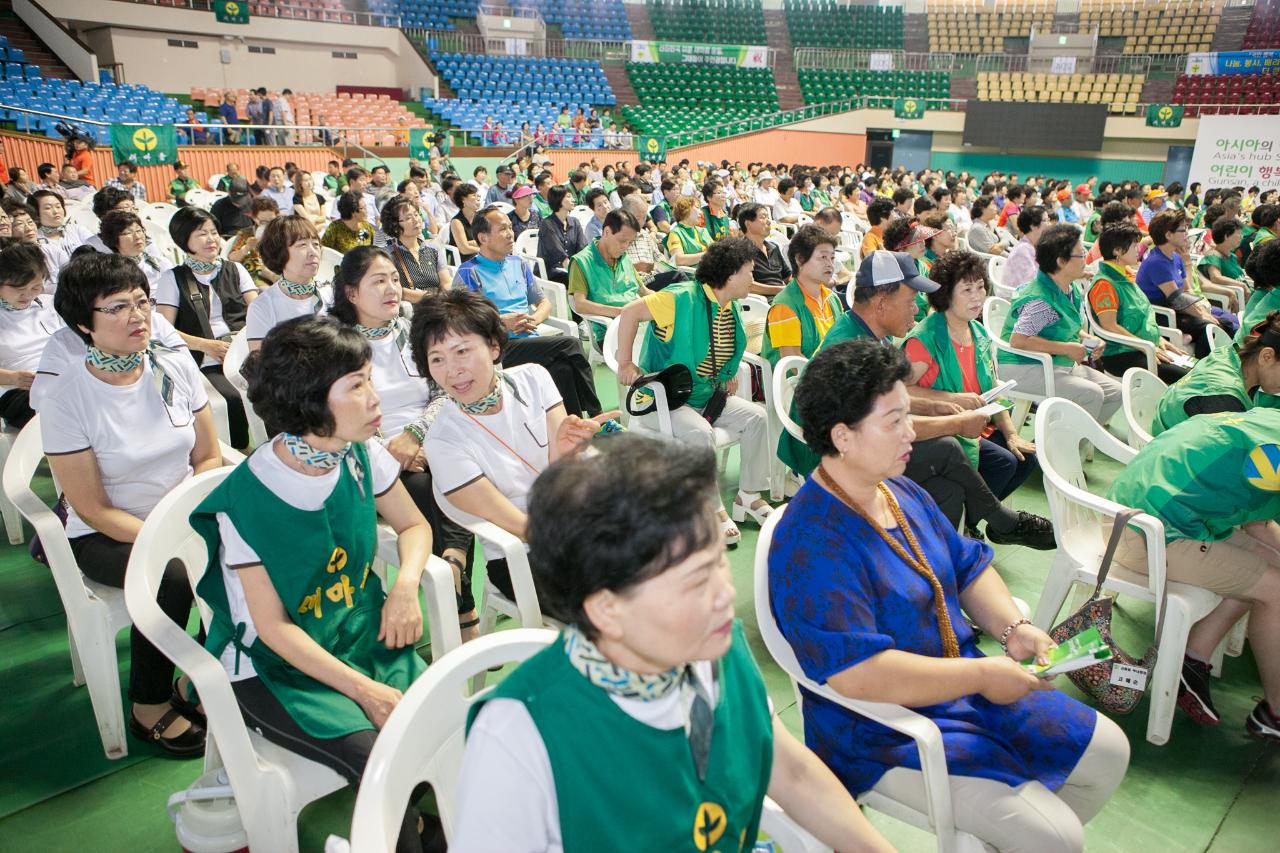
1116, 685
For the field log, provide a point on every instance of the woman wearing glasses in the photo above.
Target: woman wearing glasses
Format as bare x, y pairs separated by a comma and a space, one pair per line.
123, 233
420, 266
128, 425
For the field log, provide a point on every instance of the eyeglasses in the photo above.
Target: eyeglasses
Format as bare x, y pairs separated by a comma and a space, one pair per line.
1080, 256
142, 306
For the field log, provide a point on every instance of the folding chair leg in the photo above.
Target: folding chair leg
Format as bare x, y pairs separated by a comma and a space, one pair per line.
1237, 636
12, 521
1163, 684
102, 673
77, 669
1057, 585
488, 621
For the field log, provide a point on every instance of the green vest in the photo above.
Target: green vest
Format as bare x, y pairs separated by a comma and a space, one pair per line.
690, 342
1228, 266
624, 785
822, 199
717, 226
1134, 313
609, 285
1264, 235
1209, 476
1066, 329
1217, 374
792, 296
322, 571
924, 266
1090, 235
540, 205
1260, 304
694, 239
936, 337
807, 202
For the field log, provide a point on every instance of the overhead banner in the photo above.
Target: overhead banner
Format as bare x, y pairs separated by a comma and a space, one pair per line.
1164, 115
908, 108
231, 11
1234, 62
652, 148
1236, 150
711, 54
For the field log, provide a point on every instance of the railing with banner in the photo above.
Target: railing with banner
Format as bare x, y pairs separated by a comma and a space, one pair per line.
872, 60
289, 12
1233, 62
1099, 64
447, 41
747, 56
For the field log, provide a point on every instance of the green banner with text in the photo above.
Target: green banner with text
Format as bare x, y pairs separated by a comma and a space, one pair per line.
144, 145
652, 148
231, 11
749, 56
908, 108
1164, 115
420, 143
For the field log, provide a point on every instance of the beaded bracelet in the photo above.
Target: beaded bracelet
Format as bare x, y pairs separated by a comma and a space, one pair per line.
416, 431
1008, 632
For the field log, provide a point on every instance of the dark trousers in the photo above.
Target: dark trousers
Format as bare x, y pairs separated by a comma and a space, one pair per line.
559, 275
103, 560
1001, 470
1194, 324
346, 755
1119, 363
562, 356
499, 574
941, 468
662, 279
446, 535
237, 422
15, 408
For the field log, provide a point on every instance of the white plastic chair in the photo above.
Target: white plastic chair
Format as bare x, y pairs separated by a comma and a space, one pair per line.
527, 248
197, 197
212, 183
1061, 426
1140, 393
786, 375
12, 518
933, 760
994, 312
218, 408
1217, 337
159, 212
1095, 328
83, 215
271, 784
995, 269
237, 352
329, 261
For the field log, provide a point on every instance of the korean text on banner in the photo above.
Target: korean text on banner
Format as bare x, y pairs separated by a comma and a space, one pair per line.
750, 56
1234, 62
1237, 150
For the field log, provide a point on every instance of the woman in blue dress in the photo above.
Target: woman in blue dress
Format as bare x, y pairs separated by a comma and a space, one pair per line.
870, 584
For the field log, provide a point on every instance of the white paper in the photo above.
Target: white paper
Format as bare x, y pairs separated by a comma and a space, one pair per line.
991, 409
1124, 675
1183, 360
998, 391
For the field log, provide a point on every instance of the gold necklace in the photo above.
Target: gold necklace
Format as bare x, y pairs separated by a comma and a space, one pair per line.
916, 559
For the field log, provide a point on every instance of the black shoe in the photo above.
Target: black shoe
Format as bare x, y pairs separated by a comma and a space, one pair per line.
1263, 723
1193, 692
973, 532
1034, 531
189, 744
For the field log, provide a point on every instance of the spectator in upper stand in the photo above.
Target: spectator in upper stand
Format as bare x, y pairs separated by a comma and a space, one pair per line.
661, 212
1014, 197
766, 193
19, 186
126, 180
181, 184
1155, 204
560, 236
879, 212
194, 131
278, 191
230, 117
501, 191
352, 227
1021, 267
598, 200
787, 209
82, 159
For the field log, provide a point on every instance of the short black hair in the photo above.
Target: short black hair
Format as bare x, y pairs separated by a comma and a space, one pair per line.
290, 375
709, 188
45, 169
1055, 246
980, 206
186, 222
784, 185
923, 204
902, 194
879, 210
461, 191
1115, 212
555, 197
805, 242
355, 263
1015, 191
1266, 215
357, 172
115, 223
939, 192
748, 213
458, 310
392, 214
722, 259
1164, 223
1030, 217
614, 519
349, 203
949, 270
1117, 239
898, 232
1263, 265
592, 194
841, 384
616, 220
107, 198
20, 264
87, 278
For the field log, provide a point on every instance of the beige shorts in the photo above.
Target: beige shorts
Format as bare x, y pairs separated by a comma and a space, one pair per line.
1230, 567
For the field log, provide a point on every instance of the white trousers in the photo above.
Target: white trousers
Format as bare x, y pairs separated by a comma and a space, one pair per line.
744, 420
1096, 392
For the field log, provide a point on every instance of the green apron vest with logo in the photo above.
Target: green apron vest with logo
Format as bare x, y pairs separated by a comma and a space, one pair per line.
1217, 374
694, 239
1134, 314
1066, 329
936, 337
717, 226
924, 266
321, 567
609, 285
1209, 476
1262, 303
624, 785
690, 342
792, 296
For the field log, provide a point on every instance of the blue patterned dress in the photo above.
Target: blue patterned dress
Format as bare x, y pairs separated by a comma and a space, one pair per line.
840, 596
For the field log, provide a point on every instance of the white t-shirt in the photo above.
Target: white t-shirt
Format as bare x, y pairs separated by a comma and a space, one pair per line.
273, 306
142, 447
24, 335
166, 293
403, 392
58, 252
461, 451
767, 197
283, 199
65, 349
506, 791
301, 491
786, 208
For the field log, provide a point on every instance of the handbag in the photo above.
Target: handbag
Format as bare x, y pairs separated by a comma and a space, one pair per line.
1117, 684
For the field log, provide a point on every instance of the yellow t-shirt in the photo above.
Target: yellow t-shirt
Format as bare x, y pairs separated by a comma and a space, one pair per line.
784, 325
871, 243
662, 306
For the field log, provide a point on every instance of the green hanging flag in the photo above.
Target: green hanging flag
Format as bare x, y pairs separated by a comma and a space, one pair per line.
908, 108
231, 11
420, 144
652, 148
1164, 115
144, 145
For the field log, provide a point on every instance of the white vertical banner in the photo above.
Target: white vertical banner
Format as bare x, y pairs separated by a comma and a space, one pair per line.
1063, 65
880, 61
1236, 150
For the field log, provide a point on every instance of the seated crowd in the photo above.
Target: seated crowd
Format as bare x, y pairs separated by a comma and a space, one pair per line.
434, 372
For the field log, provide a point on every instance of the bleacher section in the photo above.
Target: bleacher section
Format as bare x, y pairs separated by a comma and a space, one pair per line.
822, 85
327, 11
674, 97
336, 111
106, 102
1264, 26
601, 20
962, 26
1154, 26
711, 21
426, 14
1121, 92
823, 23
1228, 93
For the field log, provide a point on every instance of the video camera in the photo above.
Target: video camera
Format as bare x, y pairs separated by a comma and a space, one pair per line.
72, 133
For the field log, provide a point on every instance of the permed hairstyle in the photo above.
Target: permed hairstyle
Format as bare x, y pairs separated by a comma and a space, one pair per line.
281, 233
457, 310
952, 268
841, 385
722, 259
87, 278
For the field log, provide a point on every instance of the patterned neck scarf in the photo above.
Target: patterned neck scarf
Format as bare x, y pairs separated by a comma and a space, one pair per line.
616, 681
488, 401
110, 363
200, 267
326, 460
5, 306
52, 233
377, 333
294, 289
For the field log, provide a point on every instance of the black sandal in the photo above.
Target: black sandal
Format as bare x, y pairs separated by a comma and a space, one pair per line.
185, 707
189, 744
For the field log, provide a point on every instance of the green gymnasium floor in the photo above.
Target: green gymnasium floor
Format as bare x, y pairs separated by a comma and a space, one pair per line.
1206, 790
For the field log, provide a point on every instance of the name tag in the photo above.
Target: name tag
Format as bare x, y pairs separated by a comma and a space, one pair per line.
1124, 675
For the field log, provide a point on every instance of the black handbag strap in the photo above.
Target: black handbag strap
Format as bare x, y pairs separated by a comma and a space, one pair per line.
1104, 568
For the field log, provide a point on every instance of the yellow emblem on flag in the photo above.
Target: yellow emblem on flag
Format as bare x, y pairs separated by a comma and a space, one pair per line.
909, 105
1262, 467
233, 9
1165, 113
653, 145
144, 139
